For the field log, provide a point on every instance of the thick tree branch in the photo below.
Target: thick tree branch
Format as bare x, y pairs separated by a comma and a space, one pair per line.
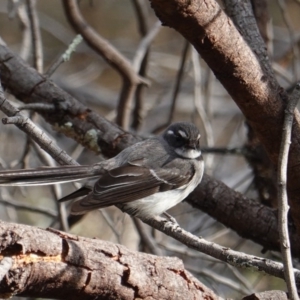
63, 266
70, 117
249, 82
243, 17
247, 217
77, 121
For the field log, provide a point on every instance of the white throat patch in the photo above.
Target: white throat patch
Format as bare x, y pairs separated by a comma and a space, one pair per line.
188, 153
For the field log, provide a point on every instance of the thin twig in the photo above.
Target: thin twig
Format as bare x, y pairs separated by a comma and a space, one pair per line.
47, 160
241, 278
139, 107
207, 90
27, 126
203, 117
294, 44
65, 56
26, 34
112, 56
18, 205
283, 73
144, 46
205, 272
139, 7
12, 6
176, 88
283, 207
146, 238
38, 107
205, 122
110, 224
222, 151
36, 36
24, 157
181, 250
232, 257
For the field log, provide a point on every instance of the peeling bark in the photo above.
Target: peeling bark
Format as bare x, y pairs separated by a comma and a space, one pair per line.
50, 263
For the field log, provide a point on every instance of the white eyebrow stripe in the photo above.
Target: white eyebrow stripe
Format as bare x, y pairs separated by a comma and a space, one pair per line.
182, 133
170, 132
198, 137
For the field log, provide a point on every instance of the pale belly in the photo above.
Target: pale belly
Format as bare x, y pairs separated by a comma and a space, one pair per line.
158, 203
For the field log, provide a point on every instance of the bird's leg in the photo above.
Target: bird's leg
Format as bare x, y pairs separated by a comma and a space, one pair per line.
170, 218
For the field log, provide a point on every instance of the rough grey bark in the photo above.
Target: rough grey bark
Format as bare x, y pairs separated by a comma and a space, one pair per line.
96, 133
246, 75
48, 263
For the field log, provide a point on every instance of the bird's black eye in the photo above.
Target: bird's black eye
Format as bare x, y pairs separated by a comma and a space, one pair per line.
179, 140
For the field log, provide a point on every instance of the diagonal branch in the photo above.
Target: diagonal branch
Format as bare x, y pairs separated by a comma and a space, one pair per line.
26, 125
247, 217
232, 257
249, 80
79, 122
112, 56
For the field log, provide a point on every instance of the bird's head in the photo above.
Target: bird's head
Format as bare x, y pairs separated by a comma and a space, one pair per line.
184, 139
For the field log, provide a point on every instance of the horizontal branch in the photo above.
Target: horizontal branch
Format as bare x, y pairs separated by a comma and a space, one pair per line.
232, 257
53, 264
96, 133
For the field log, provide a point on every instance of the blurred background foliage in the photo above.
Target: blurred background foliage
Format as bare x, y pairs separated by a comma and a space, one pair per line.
201, 99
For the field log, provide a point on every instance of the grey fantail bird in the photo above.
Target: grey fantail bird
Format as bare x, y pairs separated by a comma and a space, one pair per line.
145, 179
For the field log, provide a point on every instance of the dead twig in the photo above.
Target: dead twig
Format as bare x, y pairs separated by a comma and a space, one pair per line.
232, 257
27, 126
18, 205
26, 34
146, 238
293, 40
283, 206
35, 36
176, 90
64, 57
112, 56
139, 109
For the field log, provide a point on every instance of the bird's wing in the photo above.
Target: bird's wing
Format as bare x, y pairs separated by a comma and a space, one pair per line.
83, 191
128, 183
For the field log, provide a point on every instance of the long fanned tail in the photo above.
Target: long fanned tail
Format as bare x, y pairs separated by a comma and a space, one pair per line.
45, 175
